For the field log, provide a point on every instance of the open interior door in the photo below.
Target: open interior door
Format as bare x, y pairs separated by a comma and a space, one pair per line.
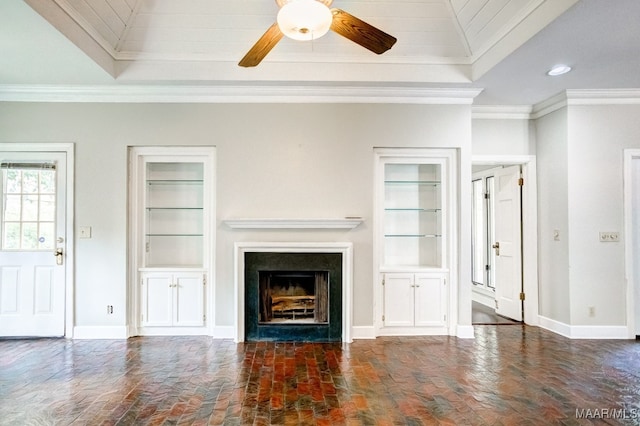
508, 242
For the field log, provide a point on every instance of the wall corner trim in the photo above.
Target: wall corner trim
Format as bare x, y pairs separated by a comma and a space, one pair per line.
465, 332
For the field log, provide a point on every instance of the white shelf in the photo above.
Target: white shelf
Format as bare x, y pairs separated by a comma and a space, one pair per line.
279, 223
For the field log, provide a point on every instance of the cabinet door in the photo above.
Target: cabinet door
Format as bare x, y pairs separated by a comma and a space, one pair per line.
189, 299
430, 308
157, 303
398, 300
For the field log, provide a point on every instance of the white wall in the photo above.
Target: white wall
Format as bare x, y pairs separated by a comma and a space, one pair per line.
553, 256
503, 137
597, 137
635, 251
274, 160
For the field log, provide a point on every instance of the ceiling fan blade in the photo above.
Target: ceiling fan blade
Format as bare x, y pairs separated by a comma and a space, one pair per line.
360, 32
262, 47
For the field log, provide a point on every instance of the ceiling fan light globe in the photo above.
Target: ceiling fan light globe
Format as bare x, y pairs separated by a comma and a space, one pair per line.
304, 19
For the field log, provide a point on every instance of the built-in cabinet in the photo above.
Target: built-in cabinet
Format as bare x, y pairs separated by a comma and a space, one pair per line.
414, 300
172, 208
414, 239
172, 299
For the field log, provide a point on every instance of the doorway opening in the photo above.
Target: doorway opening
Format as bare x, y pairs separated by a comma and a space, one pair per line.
504, 241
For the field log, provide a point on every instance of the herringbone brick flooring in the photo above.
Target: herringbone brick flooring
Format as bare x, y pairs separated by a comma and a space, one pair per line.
507, 375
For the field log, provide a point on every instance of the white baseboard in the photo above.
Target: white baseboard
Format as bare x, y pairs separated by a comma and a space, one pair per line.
224, 332
101, 332
363, 332
584, 331
465, 332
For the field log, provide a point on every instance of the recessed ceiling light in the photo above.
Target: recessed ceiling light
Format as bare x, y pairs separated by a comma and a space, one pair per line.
559, 70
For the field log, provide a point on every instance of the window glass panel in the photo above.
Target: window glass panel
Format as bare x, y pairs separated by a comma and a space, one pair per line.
29, 236
47, 207
30, 208
491, 236
12, 208
477, 232
30, 181
47, 182
13, 181
11, 235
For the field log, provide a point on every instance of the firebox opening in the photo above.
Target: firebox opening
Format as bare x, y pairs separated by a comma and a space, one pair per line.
300, 297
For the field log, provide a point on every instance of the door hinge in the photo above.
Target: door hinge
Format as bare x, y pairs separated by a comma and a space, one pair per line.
496, 300
383, 278
486, 195
521, 182
487, 267
445, 317
383, 318
204, 280
204, 317
521, 296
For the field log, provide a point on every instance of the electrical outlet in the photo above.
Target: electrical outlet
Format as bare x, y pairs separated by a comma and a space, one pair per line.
556, 235
609, 237
109, 309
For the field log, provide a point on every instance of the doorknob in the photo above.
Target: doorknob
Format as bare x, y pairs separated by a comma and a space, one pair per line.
497, 247
58, 254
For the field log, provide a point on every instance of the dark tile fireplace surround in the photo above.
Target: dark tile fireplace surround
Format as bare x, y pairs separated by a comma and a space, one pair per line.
293, 296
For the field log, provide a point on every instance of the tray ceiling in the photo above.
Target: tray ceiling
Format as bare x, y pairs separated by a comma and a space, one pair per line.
439, 41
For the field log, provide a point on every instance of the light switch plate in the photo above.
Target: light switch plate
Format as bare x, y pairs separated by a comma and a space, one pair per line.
84, 232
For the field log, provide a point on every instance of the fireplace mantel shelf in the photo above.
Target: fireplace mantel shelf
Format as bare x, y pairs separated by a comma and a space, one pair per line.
279, 223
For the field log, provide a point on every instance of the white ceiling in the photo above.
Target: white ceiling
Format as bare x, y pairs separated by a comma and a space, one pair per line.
501, 46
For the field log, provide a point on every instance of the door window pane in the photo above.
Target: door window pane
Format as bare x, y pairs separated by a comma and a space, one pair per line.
28, 209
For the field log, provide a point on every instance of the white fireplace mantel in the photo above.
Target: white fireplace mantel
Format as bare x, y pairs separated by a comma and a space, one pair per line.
345, 248
301, 223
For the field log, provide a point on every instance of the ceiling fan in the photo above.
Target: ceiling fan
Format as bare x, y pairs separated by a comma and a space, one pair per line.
311, 19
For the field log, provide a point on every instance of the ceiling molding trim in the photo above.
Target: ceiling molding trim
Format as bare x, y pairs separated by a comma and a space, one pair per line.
603, 97
552, 104
87, 27
501, 112
236, 94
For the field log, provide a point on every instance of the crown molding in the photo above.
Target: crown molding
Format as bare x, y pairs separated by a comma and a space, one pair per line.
237, 94
594, 97
501, 112
603, 97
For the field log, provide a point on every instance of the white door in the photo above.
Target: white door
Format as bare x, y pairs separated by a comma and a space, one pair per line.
157, 299
507, 244
32, 230
430, 300
189, 299
398, 300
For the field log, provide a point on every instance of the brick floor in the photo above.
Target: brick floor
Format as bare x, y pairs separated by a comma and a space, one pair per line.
507, 375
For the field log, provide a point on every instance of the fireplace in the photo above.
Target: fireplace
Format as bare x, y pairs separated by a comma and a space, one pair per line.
288, 297
293, 296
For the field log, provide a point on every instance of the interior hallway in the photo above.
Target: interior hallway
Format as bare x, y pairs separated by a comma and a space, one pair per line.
506, 375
